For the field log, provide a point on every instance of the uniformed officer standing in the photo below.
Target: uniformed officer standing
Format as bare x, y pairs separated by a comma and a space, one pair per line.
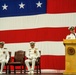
72, 33
4, 56
32, 55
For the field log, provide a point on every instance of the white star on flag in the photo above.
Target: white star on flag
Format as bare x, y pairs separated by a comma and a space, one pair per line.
4, 7
38, 4
21, 5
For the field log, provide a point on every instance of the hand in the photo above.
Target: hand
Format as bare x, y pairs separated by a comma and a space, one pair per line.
31, 58
6, 61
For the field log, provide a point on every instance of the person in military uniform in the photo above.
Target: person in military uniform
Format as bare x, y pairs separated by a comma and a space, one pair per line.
4, 56
32, 55
72, 33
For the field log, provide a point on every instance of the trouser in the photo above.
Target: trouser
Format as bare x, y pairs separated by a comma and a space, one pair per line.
2, 65
27, 61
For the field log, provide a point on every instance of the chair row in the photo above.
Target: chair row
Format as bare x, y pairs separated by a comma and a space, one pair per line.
19, 60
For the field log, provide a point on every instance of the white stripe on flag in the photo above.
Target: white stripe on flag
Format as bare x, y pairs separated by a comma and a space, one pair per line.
47, 48
37, 21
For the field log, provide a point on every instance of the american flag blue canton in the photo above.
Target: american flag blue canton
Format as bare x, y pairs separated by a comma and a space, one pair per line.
22, 7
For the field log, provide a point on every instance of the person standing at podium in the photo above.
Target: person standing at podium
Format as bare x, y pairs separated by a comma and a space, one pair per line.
72, 33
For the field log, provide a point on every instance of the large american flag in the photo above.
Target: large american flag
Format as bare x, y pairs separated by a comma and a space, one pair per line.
44, 21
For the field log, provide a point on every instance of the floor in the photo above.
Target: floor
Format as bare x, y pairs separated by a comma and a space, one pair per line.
37, 74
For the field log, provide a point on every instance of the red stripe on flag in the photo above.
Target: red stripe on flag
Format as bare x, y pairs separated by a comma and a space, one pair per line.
38, 34
61, 6
53, 62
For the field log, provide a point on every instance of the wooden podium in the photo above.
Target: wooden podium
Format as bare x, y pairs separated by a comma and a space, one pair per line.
70, 56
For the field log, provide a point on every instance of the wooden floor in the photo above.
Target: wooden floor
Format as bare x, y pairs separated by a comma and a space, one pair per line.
36, 74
